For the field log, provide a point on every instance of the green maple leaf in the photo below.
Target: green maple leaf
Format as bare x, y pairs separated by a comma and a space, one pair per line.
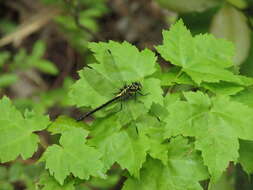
49, 183
113, 70
141, 64
183, 170
125, 147
17, 131
216, 123
64, 123
153, 93
202, 57
73, 156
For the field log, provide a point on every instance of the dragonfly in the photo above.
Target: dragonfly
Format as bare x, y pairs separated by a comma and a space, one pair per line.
125, 93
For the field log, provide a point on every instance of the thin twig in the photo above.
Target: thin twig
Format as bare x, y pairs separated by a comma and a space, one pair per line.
30, 26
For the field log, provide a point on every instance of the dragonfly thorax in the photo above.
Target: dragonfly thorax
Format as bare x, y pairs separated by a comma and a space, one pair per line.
130, 90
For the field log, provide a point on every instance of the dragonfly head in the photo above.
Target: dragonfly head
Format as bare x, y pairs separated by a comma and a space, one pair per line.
136, 85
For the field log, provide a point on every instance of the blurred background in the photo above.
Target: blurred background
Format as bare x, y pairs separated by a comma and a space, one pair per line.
43, 43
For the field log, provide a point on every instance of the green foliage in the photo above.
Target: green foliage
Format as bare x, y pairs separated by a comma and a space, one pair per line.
7, 26
18, 172
131, 157
40, 102
23, 61
17, 137
48, 182
214, 122
4, 56
182, 171
82, 161
6, 79
190, 122
203, 58
77, 36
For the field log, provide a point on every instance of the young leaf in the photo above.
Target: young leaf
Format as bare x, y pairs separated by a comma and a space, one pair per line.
44, 66
73, 156
24, 61
16, 136
216, 123
203, 57
4, 56
7, 79
183, 171
39, 49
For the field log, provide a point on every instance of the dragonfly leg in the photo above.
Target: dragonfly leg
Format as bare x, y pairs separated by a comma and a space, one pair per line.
135, 97
121, 106
136, 130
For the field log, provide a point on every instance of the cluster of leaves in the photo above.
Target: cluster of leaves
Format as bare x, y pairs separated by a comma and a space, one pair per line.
13, 67
22, 61
86, 11
41, 101
20, 173
162, 141
229, 19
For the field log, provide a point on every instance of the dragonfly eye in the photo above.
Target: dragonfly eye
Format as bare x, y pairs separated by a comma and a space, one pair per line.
137, 86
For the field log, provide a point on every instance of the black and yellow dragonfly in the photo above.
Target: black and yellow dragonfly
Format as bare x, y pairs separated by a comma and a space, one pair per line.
126, 92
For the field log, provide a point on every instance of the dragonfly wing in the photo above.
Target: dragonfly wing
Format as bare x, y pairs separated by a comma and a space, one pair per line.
92, 89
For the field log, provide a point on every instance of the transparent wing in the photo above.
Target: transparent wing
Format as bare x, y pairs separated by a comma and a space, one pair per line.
99, 83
